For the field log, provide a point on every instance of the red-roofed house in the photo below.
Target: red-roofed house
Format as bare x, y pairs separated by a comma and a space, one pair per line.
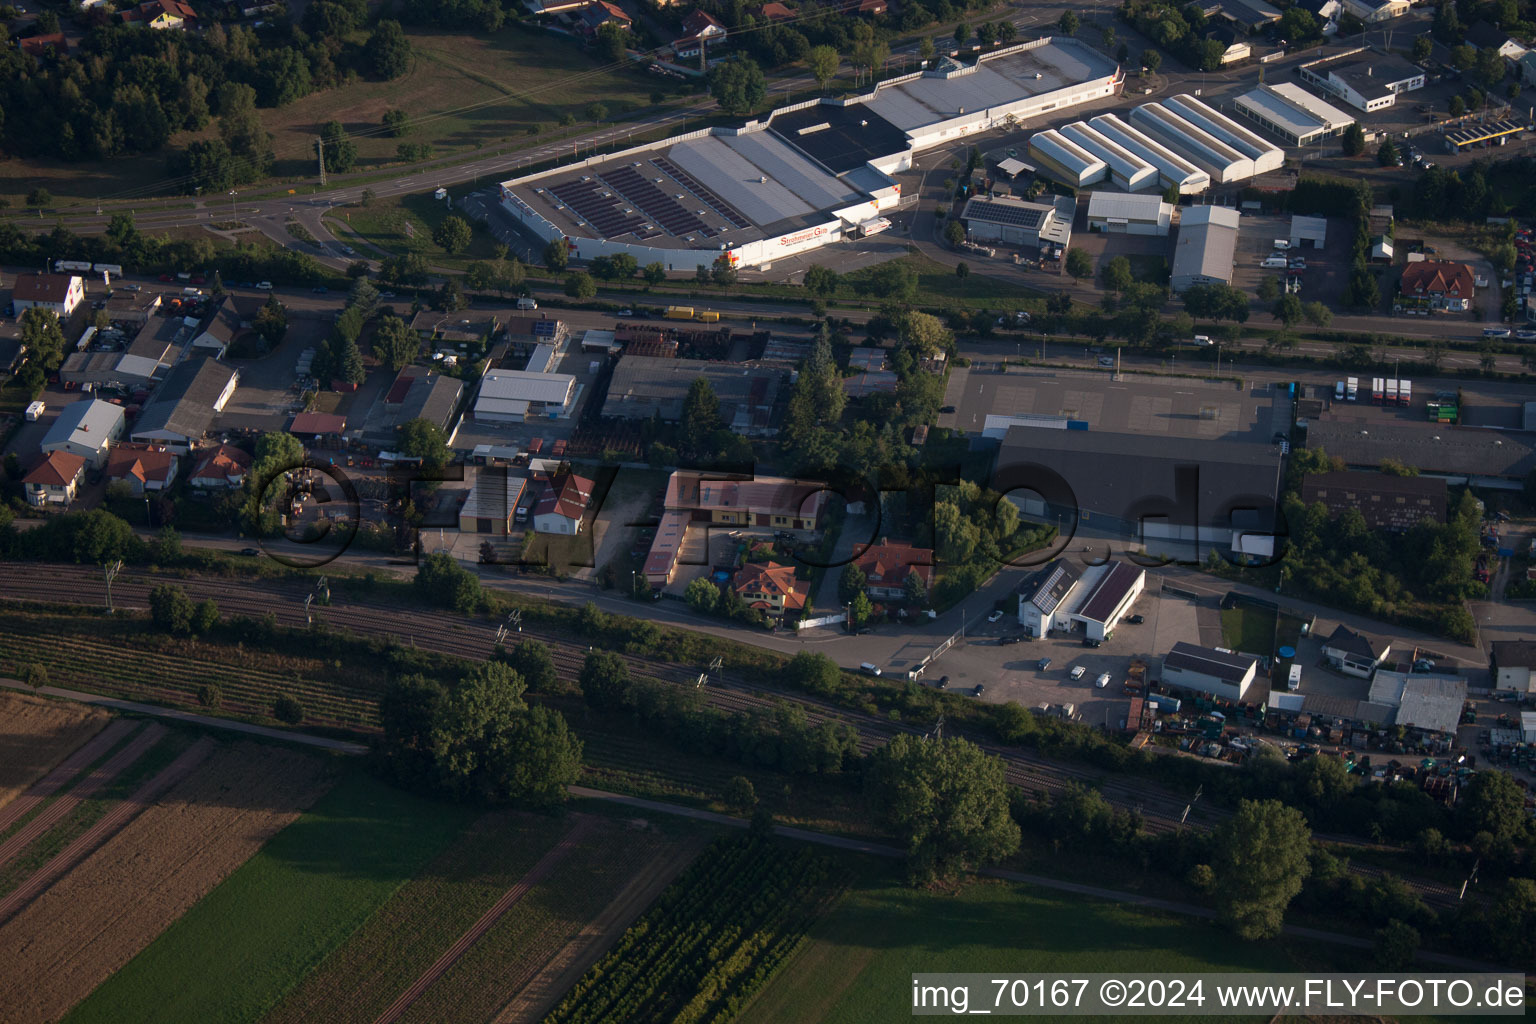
887, 565
563, 505
143, 467
774, 12
54, 480
769, 587
597, 14
160, 14
58, 292
1438, 284
222, 467
41, 46
699, 31
319, 428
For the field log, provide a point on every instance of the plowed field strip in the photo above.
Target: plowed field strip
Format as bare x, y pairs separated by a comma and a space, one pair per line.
537, 874
88, 787
109, 823
37, 733
67, 769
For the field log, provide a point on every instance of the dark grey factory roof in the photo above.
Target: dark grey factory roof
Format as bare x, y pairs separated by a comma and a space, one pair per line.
183, 404
1110, 591
1132, 476
1347, 640
1230, 668
1046, 588
433, 399
852, 136
1434, 448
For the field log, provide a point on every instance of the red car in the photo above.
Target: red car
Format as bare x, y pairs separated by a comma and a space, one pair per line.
166, 277
198, 279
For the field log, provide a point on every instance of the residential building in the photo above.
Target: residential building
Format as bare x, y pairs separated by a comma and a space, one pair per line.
1205, 249
125, 307
873, 382
512, 396
1513, 665
1116, 213
54, 481
1374, 11
159, 14
1063, 597
219, 331
1437, 284
222, 467
417, 393
888, 564
1219, 673
1248, 15
491, 507
599, 13
60, 293
11, 348
44, 44
1485, 36
1396, 503
143, 467
86, 428
1235, 48
646, 387
562, 506
774, 12
693, 497
182, 409
769, 587
700, 31
1354, 654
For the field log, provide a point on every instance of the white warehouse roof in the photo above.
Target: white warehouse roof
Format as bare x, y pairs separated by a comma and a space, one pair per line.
1205, 150
513, 391
1067, 158
1130, 171
1265, 155
1207, 246
1172, 168
1132, 209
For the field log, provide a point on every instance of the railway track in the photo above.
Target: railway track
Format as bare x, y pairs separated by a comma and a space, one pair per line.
452, 634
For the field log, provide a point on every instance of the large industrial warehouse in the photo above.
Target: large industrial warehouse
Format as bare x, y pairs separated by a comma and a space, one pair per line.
1065, 160
1206, 137
1206, 250
1172, 168
1266, 156
798, 178
1126, 169
1292, 113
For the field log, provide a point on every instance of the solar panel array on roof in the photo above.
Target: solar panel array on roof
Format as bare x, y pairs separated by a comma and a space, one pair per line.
656, 204
1004, 213
603, 212
693, 185
1054, 588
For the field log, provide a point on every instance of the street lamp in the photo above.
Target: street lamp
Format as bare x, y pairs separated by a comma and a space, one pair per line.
232, 195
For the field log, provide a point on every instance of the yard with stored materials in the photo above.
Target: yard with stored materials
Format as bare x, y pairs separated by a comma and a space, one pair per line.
36, 734
101, 914
858, 965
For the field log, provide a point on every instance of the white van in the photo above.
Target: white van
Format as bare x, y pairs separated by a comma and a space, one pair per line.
869, 668
526, 303
1293, 681
1274, 263
1282, 244
191, 293
1202, 339
1338, 391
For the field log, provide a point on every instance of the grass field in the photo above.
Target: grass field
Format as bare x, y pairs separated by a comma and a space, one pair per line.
858, 964
240, 950
405, 224
1248, 629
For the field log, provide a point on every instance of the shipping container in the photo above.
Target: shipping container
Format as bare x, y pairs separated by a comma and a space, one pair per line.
1165, 704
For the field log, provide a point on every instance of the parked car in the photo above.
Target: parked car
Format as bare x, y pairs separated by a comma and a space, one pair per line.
995, 616
251, 552
947, 408
1106, 361
1526, 335
943, 682
1102, 681
1006, 640
1136, 620
1090, 642
264, 286
320, 289
625, 312
1077, 673
166, 277
133, 287
1045, 663
980, 689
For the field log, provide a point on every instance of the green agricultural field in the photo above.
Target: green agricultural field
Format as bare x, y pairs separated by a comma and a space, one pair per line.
251, 940
858, 964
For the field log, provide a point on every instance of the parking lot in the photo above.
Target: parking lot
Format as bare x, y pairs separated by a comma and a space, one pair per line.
1326, 272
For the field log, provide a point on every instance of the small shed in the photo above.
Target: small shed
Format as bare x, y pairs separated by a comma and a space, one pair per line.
1311, 231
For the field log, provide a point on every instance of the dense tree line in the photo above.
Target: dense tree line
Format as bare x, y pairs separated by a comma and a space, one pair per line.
1180, 31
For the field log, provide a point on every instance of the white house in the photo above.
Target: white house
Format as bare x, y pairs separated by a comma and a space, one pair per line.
1354, 654
86, 428
700, 31
54, 480
1044, 598
563, 505
60, 293
1219, 673
1513, 664
1119, 213
1372, 11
